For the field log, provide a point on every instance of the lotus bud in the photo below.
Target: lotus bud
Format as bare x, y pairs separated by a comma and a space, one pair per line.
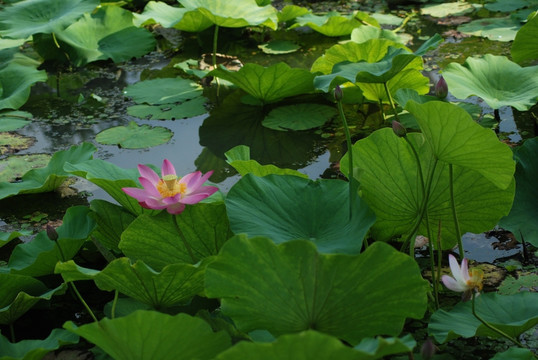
398, 129
51, 233
441, 88
428, 349
338, 94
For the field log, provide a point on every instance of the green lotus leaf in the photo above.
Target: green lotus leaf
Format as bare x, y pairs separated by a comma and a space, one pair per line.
16, 78
302, 289
278, 47
508, 5
50, 177
388, 175
111, 179
333, 23
163, 91
365, 33
109, 33
111, 220
456, 139
233, 123
13, 120
6, 237
314, 345
299, 116
38, 257
515, 353
290, 12
370, 51
156, 240
521, 219
30, 17
447, 9
524, 282
187, 109
169, 16
499, 29
173, 286
497, 80
411, 79
269, 84
525, 45
239, 13
239, 158
152, 335
285, 208
15, 166
18, 294
35, 349
523, 315
134, 136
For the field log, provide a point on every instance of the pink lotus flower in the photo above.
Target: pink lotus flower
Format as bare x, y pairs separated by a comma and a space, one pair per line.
462, 280
170, 192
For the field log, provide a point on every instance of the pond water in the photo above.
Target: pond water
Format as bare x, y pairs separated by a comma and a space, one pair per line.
73, 107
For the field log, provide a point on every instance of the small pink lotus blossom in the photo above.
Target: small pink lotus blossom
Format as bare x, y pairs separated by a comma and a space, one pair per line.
170, 192
462, 280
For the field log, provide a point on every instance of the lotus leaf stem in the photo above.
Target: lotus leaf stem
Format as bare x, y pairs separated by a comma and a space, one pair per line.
114, 303
454, 213
391, 102
12, 332
491, 327
350, 157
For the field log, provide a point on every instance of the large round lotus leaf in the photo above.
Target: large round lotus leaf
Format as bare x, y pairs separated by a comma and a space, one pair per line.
13, 120
508, 5
35, 349
497, 80
163, 91
314, 345
492, 307
290, 12
237, 13
407, 79
299, 116
173, 286
134, 136
285, 208
365, 33
388, 175
525, 45
169, 16
522, 218
30, 17
331, 24
278, 47
16, 78
290, 288
370, 51
447, 9
14, 167
499, 29
269, 84
185, 110
146, 335
515, 353
108, 33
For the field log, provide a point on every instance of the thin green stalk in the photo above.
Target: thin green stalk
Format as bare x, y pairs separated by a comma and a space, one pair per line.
350, 157
215, 37
491, 327
184, 240
74, 288
439, 253
12, 332
391, 102
432, 262
454, 213
114, 302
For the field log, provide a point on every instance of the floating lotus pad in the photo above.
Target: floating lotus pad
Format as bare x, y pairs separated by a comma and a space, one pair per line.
134, 136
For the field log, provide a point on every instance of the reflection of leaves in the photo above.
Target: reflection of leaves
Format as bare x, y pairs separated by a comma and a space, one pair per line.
299, 116
134, 136
233, 123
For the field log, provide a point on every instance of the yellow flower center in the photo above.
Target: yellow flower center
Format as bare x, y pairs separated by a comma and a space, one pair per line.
170, 186
475, 282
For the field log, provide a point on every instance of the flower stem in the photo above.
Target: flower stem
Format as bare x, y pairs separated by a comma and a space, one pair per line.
491, 327
114, 302
350, 158
391, 102
454, 213
12, 332
184, 240
74, 288
214, 60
